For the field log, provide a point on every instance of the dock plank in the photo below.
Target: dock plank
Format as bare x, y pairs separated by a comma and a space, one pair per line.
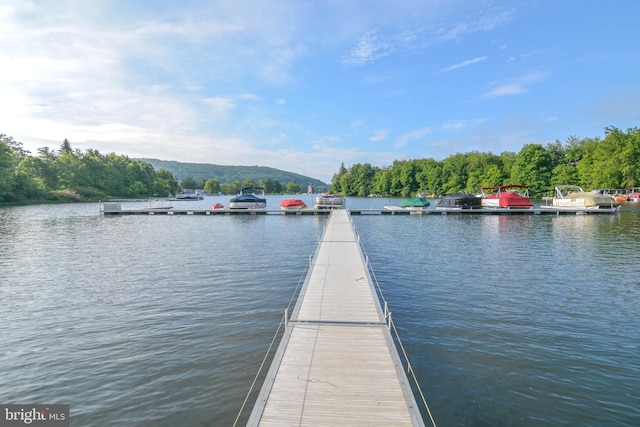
337, 375
337, 363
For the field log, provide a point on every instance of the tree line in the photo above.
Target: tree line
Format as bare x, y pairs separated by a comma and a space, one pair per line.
70, 174
593, 163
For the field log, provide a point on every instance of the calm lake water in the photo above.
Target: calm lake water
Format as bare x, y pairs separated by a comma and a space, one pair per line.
164, 320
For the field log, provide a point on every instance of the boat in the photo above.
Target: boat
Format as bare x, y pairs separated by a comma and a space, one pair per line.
574, 197
619, 195
415, 203
633, 194
330, 201
459, 201
217, 206
247, 199
510, 196
412, 204
291, 204
187, 195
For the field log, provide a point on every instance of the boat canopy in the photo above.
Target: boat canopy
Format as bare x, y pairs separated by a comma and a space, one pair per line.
415, 202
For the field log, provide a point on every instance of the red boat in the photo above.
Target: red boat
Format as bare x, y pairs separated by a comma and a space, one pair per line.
217, 206
292, 204
511, 196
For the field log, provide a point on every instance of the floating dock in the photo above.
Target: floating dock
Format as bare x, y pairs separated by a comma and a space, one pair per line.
337, 363
115, 208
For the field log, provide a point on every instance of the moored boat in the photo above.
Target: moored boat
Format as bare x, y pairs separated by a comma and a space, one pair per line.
633, 194
247, 199
290, 204
187, 195
330, 201
510, 196
412, 204
459, 201
574, 197
619, 195
415, 203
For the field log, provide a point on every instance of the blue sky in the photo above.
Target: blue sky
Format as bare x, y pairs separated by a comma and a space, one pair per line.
306, 85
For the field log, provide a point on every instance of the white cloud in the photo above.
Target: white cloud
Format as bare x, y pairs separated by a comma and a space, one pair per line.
506, 90
463, 64
461, 124
515, 86
219, 104
379, 135
418, 134
371, 47
485, 22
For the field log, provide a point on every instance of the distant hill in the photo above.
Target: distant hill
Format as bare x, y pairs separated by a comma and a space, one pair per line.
231, 174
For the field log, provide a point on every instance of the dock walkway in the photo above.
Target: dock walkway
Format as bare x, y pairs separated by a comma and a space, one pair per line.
337, 363
115, 208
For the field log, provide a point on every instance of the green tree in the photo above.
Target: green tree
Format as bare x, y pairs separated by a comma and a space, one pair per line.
7, 164
187, 183
293, 187
212, 186
268, 185
430, 178
563, 175
455, 175
533, 168
382, 182
165, 183
361, 177
336, 180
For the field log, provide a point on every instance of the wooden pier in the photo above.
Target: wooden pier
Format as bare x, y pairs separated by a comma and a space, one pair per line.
337, 363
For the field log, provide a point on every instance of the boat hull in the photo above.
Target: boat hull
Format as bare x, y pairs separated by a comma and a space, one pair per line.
507, 203
247, 204
459, 201
574, 197
511, 196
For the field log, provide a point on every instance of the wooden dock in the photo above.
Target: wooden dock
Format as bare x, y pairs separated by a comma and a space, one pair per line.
115, 208
337, 363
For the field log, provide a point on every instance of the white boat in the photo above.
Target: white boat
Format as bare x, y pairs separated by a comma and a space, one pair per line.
574, 197
330, 201
247, 199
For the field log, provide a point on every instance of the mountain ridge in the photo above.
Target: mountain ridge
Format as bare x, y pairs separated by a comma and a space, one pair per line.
229, 174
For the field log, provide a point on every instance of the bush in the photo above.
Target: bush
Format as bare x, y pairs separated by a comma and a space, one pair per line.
91, 193
64, 195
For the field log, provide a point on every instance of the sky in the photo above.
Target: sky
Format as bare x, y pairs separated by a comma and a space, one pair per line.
307, 85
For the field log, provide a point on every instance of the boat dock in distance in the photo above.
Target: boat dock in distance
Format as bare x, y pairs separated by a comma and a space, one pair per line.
337, 363
115, 208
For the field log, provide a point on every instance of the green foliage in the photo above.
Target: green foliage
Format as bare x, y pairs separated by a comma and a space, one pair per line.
293, 188
613, 162
231, 174
188, 183
69, 174
533, 167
